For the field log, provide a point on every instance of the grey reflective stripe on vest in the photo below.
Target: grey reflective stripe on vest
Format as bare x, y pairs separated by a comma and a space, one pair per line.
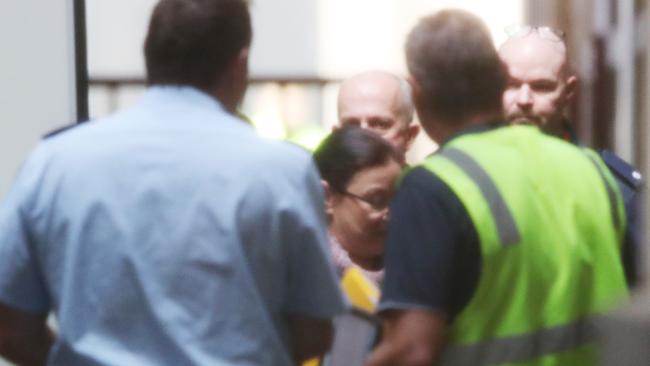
611, 194
525, 347
505, 223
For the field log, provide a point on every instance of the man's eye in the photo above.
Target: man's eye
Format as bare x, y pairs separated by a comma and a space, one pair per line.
543, 87
351, 122
513, 84
380, 124
379, 201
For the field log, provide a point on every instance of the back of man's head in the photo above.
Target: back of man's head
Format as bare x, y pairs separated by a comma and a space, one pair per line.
455, 67
192, 42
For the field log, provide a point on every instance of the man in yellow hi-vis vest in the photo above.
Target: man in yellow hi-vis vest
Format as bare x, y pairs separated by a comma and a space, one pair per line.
503, 247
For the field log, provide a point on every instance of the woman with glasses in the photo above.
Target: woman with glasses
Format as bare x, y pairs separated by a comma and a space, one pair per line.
359, 171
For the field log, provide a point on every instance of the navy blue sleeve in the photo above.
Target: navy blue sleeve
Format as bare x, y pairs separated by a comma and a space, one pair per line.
629, 182
432, 258
631, 250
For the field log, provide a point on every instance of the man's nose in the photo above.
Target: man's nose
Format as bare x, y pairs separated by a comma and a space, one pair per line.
524, 97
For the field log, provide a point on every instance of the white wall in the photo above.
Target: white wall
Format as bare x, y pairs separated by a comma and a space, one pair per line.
116, 31
369, 34
37, 87
299, 38
285, 40
327, 38
37, 79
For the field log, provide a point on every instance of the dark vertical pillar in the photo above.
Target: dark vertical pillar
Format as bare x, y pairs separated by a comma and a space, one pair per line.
81, 65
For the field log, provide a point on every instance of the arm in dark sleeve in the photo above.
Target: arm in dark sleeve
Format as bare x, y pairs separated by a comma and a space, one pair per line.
630, 251
629, 182
432, 258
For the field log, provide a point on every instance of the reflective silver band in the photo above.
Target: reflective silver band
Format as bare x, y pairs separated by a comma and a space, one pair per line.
524, 347
505, 223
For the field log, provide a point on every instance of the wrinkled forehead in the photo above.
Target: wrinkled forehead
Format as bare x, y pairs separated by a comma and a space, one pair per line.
533, 55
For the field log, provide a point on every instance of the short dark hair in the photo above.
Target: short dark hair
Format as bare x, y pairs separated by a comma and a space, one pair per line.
452, 57
348, 150
191, 42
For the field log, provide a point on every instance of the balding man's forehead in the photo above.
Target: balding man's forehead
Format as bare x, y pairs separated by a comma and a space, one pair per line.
377, 90
380, 91
368, 101
532, 46
532, 55
373, 76
370, 84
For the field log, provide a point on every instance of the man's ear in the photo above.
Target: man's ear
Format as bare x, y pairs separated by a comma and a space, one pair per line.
571, 84
232, 87
412, 131
416, 96
416, 89
240, 68
416, 93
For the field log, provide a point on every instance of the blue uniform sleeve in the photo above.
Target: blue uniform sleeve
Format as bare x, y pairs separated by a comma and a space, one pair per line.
432, 258
313, 288
21, 283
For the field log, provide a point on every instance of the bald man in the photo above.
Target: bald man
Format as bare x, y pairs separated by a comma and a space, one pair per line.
541, 84
381, 102
540, 87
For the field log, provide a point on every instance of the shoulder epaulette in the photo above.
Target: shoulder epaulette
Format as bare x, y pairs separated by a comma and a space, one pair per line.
622, 169
60, 130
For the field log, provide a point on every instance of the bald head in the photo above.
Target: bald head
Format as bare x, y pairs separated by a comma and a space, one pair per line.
540, 84
381, 102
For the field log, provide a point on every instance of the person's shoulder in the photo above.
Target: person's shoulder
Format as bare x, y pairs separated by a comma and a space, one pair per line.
419, 176
622, 170
72, 136
76, 129
61, 137
274, 158
419, 181
60, 130
283, 151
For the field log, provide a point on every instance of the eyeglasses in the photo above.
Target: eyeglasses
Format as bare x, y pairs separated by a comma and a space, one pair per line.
378, 203
545, 32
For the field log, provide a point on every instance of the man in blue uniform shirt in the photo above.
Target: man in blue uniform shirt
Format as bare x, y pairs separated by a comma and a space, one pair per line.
169, 233
540, 87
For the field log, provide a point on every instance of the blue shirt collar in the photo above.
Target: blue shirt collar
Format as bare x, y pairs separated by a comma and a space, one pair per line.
174, 94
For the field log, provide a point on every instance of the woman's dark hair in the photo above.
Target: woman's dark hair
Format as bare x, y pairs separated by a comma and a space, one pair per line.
191, 42
348, 150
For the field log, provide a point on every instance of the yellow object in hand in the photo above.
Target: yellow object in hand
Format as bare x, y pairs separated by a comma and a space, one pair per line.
362, 292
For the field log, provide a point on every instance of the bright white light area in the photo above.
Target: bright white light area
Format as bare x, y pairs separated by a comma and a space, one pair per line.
116, 31
327, 39
37, 78
369, 34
